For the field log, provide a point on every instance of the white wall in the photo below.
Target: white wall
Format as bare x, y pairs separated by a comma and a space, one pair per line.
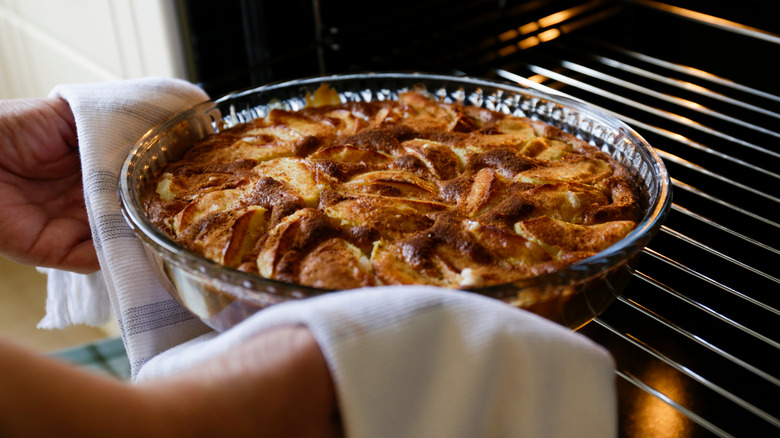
48, 42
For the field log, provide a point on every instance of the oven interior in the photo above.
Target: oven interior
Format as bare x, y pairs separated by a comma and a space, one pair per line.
695, 334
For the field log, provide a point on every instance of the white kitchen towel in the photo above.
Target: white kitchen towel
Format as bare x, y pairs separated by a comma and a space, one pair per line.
75, 299
407, 361
429, 362
110, 118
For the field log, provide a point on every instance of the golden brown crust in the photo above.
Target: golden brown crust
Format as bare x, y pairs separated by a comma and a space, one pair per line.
394, 192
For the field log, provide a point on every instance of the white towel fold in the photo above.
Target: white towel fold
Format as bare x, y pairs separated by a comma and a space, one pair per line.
110, 118
407, 361
429, 362
75, 299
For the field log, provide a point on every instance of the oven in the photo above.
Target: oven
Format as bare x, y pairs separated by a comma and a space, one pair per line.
695, 334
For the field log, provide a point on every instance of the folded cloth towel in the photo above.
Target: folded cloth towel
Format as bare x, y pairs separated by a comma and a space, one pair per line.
430, 362
75, 299
407, 361
110, 118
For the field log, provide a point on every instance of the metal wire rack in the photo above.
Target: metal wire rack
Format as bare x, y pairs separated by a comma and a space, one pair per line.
695, 335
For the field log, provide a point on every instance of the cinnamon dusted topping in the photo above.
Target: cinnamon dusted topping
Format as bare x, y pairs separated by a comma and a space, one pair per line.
411, 191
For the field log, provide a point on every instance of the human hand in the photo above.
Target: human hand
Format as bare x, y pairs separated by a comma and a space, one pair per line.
43, 220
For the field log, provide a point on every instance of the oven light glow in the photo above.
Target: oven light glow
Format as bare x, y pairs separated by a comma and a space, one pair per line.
549, 35
528, 28
556, 18
506, 51
528, 42
508, 35
522, 30
656, 417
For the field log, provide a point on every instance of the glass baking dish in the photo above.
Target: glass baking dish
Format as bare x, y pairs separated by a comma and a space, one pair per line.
222, 296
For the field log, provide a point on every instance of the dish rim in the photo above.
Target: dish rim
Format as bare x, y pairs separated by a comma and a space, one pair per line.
594, 265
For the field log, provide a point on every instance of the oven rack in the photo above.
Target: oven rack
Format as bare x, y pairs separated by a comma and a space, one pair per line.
695, 334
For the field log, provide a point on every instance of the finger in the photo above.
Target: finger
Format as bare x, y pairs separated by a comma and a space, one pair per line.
82, 259
62, 243
67, 127
38, 137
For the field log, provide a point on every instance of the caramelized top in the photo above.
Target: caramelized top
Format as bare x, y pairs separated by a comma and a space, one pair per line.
394, 192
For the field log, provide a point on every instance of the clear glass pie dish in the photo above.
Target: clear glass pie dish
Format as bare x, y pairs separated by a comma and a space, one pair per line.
222, 297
